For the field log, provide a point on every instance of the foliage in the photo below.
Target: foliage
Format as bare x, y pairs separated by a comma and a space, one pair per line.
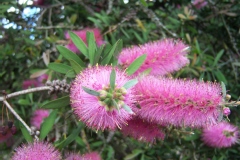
32, 44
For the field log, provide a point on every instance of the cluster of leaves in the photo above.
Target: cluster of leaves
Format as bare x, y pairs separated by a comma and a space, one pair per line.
32, 45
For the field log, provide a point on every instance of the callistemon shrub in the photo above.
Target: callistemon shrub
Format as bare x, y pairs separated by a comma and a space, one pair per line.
163, 56
36, 151
221, 135
143, 130
106, 109
182, 103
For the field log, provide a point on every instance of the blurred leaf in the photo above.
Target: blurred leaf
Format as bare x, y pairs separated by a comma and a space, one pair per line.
38, 73
68, 54
90, 91
24, 102
76, 67
71, 137
79, 44
130, 83
80, 141
134, 154
47, 125
144, 3
25, 133
114, 49
112, 79
92, 47
220, 76
136, 64
73, 18
98, 54
110, 153
219, 55
59, 67
57, 103
71, 74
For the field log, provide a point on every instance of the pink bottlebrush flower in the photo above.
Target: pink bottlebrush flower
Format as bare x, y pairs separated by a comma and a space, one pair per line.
39, 2
221, 135
36, 151
38, 117
143, 130
88, 156
37, 82
199, 3
73, 156
177, 102
92, 156
163, 56
83, 35
96, 111
226, 111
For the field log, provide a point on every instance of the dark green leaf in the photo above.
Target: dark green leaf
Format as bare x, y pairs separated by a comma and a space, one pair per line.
58, 67
109, 56
220, 76
90, 91
47, 124
71, 74
144, 3
57, 103
112, 79
134, 154
92, 47
68, 54
98, 54
71, 137
24, 102
219, 55
79, 44
25, 133
76, 67
130, 83
136, 64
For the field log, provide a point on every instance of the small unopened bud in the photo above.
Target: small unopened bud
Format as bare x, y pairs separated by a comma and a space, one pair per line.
103, 94
228, 97
226, 111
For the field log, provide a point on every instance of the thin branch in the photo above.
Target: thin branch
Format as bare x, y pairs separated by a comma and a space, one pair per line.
18, 117
155, 19
52, 27
37, 89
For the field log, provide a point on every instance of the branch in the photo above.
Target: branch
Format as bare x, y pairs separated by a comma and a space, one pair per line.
37, 89
18, 117
155, 19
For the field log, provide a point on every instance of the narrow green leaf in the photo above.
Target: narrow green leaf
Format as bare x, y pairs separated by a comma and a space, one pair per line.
136, 64
219, 55
98, 54
224, 91
112, 79
71, 137
47, 124
118, 48
76, 67
59, 67
71, 74
106, 50
57, 103
90, 91
68, 54
144, 3
220, 76
128, 109
79, 44
24, 102
134, 154
109, 56
25, 133
92, 47
130, 83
